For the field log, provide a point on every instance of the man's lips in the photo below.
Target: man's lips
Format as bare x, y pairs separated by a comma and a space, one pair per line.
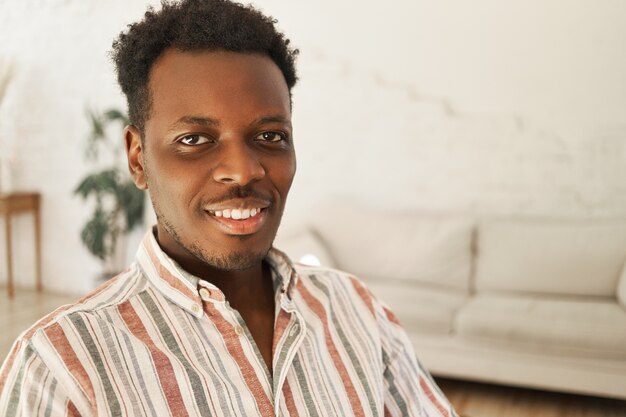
239, 221
237, 204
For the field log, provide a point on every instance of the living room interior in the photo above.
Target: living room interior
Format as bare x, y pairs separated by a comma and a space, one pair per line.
467, 160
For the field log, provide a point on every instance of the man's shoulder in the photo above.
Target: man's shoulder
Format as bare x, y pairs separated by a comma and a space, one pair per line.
109, 294
331, 275
335, 280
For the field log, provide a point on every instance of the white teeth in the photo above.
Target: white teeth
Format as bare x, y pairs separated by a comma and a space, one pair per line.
236, 214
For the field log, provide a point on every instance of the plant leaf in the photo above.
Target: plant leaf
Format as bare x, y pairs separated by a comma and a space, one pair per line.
100, 183
94, 234
115, 114
115, 195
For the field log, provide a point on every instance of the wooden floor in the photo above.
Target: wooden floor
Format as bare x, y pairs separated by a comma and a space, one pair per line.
22, 311
470, 399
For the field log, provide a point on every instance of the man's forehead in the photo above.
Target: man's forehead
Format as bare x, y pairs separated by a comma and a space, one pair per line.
202, 87
224, 65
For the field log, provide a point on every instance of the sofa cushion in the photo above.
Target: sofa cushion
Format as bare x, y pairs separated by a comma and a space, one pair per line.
426, 248
621, 288
573, 326
419, 309
556, 257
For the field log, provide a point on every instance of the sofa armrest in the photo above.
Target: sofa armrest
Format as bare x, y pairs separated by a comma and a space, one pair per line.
305, 246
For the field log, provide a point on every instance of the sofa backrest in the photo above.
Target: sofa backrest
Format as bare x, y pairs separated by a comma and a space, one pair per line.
383, 245
553, 257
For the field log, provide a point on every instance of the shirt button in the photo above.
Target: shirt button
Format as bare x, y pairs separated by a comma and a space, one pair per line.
239, 330
204, 294
195, 308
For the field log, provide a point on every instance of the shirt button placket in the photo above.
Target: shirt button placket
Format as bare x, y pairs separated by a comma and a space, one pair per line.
204, 294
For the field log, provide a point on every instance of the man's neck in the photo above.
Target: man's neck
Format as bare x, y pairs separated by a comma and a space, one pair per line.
245, 286
236, 284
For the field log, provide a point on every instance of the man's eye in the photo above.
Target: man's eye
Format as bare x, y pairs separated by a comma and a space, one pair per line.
193, 140
271, 137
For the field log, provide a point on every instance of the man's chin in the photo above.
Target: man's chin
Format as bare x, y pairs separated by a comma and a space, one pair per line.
231, 261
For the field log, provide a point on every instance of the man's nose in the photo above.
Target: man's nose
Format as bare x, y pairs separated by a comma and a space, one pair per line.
238, 164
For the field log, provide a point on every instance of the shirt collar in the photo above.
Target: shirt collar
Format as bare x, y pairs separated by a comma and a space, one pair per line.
182, 288
284, 270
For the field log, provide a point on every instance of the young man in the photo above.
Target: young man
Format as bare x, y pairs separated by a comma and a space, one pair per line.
211, 320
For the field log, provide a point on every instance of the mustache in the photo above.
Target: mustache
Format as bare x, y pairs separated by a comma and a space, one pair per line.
238, 192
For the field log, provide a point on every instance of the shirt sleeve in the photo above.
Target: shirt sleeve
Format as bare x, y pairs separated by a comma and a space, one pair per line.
409, 388
28, 388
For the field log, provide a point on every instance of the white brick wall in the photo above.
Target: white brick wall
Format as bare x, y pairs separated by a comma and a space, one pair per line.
401, 149
491, 107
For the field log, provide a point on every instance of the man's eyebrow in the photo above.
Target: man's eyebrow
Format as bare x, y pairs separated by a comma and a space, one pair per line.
271, 119
194, 120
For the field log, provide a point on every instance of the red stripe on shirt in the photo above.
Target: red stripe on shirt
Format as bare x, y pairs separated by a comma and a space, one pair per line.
165, 274
288, 396
431, 396
365, 295
233, 344
281, 323
164, 368
391, 317
72, 411
319, 310
62, 345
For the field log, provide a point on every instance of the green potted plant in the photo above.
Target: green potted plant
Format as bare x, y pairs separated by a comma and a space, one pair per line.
118, 205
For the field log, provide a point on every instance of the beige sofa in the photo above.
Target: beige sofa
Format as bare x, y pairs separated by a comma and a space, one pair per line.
536, 303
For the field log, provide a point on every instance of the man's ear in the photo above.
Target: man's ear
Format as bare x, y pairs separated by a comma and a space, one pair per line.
134, 154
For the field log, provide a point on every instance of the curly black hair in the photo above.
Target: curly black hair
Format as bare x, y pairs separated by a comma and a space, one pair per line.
194, 25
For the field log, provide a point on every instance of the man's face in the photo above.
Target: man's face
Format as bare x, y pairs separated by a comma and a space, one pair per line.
217, 156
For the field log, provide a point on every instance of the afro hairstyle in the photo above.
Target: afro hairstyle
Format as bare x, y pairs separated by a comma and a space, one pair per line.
194, 25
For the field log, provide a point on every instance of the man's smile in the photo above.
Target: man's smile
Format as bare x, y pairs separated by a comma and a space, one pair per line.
239, 216
239, 221
239, 208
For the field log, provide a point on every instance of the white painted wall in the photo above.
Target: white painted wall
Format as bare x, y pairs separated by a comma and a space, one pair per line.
515, 108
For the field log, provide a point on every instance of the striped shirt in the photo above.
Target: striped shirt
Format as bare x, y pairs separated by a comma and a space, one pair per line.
156, 341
